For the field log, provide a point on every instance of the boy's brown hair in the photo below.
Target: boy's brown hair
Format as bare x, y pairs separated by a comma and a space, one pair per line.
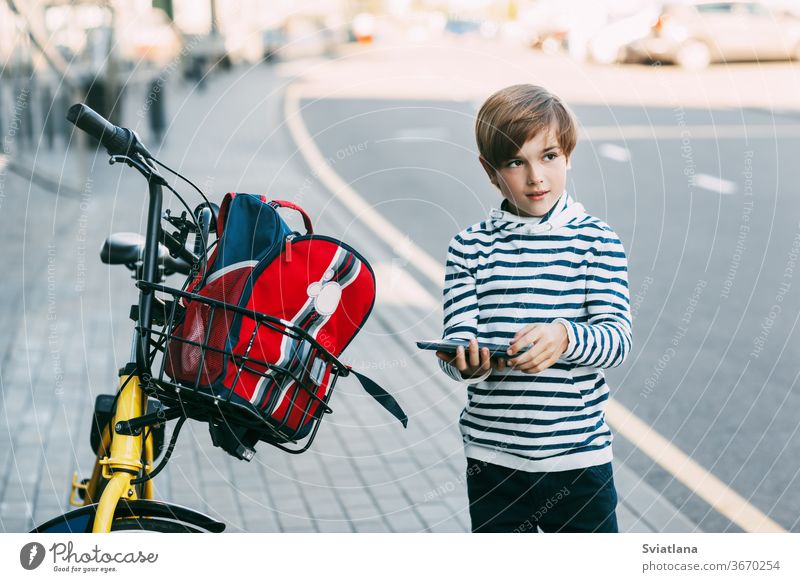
513, 115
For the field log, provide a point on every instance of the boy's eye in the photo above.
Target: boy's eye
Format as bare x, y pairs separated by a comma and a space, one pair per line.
550, 156
514, 163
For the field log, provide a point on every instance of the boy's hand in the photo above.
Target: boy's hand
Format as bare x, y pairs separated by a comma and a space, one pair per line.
472, 362
549, 340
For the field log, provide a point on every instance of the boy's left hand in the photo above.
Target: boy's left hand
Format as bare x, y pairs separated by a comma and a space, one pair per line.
549, 340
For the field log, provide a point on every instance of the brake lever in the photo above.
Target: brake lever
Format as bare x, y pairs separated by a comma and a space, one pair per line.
146, 169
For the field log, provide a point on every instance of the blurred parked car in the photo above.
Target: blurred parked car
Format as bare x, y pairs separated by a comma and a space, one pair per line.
694, 35
609, 44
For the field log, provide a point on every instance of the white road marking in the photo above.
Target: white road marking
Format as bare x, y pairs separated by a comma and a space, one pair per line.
714, 184
644, 437
398, 241
687, 132
299, 67
418, 134
614, 152
396, 286
687, 471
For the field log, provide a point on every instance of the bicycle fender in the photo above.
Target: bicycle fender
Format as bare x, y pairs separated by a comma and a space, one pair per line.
81, 520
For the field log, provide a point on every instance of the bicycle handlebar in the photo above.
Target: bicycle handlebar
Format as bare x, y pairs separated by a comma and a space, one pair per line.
117, 140
125, 142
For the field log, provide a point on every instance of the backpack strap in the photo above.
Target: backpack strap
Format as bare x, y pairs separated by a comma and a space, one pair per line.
382, 396
293, 206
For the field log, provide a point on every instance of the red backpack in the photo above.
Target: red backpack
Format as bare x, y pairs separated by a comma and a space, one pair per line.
272, 312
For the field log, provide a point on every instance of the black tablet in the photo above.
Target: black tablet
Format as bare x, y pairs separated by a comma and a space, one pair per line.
450, 346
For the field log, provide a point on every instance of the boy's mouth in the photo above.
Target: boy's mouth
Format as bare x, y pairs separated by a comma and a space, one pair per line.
537, 195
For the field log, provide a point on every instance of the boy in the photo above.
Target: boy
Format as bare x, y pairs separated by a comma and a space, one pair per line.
549, 280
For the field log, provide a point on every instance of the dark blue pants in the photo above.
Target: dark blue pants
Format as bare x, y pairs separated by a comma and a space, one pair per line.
507, 500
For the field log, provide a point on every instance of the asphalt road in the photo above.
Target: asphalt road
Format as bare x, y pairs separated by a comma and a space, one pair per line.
705, 203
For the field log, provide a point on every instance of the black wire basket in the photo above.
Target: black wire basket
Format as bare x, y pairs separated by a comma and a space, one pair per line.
306, 380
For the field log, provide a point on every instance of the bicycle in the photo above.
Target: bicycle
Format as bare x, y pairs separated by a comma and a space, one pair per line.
128, 428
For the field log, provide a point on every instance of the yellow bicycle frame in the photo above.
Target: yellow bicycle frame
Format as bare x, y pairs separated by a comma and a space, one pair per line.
115, 469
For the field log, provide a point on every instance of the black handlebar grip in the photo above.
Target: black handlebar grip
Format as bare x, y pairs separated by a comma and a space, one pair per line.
116, 140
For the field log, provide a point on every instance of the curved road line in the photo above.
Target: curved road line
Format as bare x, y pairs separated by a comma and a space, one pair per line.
705, 485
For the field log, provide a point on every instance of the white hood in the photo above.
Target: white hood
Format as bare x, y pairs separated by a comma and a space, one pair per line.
563, 211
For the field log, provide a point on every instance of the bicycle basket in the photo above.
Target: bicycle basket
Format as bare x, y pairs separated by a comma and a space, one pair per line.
273, 385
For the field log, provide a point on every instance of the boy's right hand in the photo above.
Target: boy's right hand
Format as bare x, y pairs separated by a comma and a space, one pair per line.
472, 362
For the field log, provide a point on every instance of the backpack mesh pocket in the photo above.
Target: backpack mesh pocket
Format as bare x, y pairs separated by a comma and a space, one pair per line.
195, 352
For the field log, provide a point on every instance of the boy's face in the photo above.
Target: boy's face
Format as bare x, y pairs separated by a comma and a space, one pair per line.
535, 178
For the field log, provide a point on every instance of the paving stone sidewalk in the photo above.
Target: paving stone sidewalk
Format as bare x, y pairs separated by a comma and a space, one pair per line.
66, 333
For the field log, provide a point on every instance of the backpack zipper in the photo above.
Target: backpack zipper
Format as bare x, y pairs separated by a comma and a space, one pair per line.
295, 237
288, 254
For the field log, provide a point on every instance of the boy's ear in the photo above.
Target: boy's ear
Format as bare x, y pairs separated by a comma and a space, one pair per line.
569, 163
490, 171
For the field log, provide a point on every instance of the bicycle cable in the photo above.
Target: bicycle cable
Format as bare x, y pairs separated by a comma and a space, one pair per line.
185, 179
167, 454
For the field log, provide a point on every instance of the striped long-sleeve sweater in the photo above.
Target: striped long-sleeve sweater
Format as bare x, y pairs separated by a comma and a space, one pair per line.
507, 272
